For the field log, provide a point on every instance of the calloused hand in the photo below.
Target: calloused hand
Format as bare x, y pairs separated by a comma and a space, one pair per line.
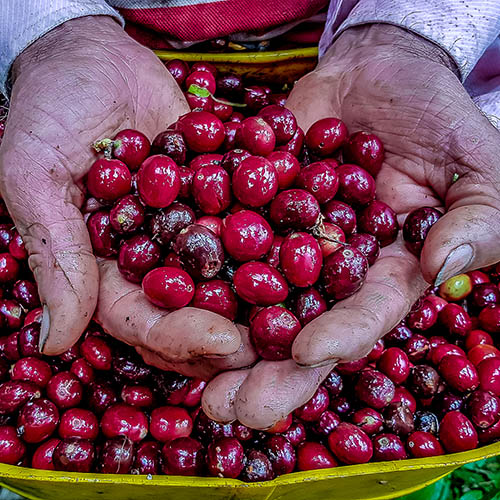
440, 152
80, 82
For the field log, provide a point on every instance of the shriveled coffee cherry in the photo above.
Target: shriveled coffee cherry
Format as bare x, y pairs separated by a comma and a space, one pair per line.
308, 305
37, 420
124, 420
108, 179
368, 420
74, 455
242, 432
183, 457
388, 446
42, 456
350, 444
295, 208
379, 220
341, 405
127, 215
128, 367
168, 287
14, 394
216, 296
374, 388
9, 268
314, 408
178, 69
489, 318
320, 179
103, 237
287, 166
344, 272
200, 251
426, 421
483, 409
170, 422
356, 185
78, 423
246, 235
259, 283
484, 294
65, 390
457, 433
301, 259
422, 316
12, 449
273, 331
341, 214
446, 401
170, 143
325, 136
395, 364
211, 189
399, 418
489, 375
202, 131
101, 396
416, 226
312, 456
158, 181
424, 444
456, 320
97, 352
26, 293
366, 150
423, 381
325, 424
367, 244
33, 370
131, 147
257, 467
281, 120
255, 181
281, 453
225, 458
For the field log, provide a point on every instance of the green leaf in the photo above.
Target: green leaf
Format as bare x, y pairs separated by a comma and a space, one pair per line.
472, 495
198, 91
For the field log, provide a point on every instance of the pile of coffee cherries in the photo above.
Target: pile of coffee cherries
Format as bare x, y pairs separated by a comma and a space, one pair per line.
246, 216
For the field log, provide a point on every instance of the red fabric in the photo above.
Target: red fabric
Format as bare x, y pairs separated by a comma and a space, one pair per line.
216, 19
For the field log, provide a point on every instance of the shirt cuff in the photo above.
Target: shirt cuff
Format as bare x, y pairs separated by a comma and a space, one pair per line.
22, 22
462, 28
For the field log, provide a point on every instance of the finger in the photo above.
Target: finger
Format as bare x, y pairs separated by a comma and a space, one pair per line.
178, 336
350, 329
43, 204
273, 389
220, 395
244, 356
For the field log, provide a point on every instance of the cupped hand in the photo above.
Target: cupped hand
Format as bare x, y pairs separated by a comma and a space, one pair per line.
440, 152
83, 81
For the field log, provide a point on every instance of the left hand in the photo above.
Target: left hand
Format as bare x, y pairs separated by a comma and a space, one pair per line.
385, 80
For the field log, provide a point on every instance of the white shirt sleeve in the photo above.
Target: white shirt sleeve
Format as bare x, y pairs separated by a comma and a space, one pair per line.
24, 21
463, 28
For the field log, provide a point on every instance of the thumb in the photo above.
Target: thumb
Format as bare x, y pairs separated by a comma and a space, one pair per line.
467, 237
42, 199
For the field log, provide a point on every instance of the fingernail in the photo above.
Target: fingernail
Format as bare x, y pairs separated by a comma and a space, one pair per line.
332, 361
44, 328
457, 261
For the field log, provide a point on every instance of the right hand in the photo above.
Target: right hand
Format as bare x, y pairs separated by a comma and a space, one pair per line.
85, 80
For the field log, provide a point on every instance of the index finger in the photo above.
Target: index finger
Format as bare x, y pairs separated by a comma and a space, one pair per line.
350, 329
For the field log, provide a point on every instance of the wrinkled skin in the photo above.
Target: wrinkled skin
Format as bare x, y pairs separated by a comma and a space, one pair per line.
382, 79
66, 94
404, 92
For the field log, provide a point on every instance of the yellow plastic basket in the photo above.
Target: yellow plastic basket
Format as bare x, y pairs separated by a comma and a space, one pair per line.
283, 66
382, 480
